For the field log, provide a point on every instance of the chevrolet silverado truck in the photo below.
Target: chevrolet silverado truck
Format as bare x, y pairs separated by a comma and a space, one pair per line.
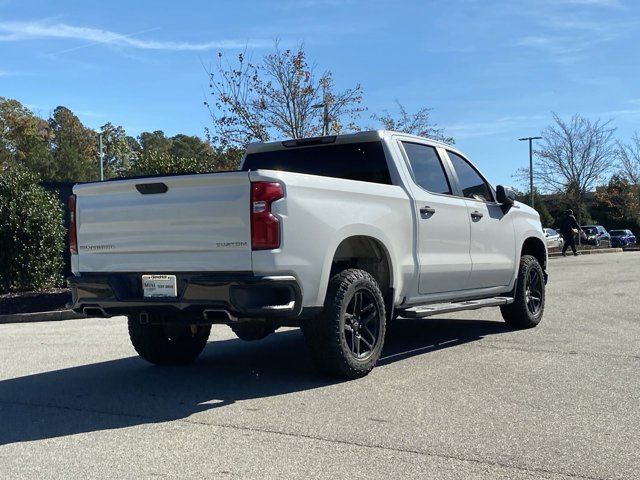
337, 235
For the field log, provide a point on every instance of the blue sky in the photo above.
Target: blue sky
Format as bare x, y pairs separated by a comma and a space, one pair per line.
492, 71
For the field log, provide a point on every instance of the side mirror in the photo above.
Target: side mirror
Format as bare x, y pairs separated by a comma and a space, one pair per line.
505, 195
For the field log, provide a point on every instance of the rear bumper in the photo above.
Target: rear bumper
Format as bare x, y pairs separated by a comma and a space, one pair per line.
217, 298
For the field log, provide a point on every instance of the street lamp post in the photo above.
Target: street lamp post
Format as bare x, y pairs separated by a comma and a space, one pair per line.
530, 165
325, 116
101, 152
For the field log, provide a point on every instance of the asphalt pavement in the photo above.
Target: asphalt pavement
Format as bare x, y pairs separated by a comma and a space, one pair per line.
460, 396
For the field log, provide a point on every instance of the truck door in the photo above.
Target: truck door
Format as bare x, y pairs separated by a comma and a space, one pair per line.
443, 224
492, 248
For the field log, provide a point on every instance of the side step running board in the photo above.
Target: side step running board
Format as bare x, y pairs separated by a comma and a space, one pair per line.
438, 308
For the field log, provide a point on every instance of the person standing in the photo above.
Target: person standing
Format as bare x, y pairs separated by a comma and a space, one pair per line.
569, 227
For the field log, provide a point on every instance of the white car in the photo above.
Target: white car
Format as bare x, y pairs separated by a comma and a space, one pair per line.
336, 234
554, 239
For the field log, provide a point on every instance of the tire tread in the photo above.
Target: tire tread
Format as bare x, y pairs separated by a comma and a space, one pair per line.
517, 314
323, 334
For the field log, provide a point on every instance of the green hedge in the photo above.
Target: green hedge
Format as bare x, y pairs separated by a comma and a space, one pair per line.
32, 233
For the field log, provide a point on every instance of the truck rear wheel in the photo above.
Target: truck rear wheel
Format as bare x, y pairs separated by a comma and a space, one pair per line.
346, 340
168, 344
528, 305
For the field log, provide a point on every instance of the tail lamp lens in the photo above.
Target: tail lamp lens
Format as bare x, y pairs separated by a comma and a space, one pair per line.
73, 236
265, 226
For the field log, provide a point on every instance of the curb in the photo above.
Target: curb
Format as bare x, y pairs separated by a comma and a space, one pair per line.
54, 316
588, 252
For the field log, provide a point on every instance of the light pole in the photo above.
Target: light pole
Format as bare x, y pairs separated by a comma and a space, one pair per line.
530, 165
325, 116
101, 157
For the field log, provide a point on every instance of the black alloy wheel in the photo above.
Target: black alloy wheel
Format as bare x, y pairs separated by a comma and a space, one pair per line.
533, 291
362, 324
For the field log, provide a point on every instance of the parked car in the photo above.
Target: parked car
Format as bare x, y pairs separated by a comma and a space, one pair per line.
622, 238
332, 234
554, 239
596, 235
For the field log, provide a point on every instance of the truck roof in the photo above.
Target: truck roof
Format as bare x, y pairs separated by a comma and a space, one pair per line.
365, 136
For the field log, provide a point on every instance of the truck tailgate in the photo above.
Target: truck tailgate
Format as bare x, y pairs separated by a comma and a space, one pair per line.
182, 223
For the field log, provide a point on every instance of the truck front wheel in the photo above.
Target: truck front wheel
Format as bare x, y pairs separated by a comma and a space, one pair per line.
168, 344
528, 302
346, 340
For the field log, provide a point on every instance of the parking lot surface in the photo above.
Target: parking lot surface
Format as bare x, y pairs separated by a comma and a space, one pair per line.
460, 396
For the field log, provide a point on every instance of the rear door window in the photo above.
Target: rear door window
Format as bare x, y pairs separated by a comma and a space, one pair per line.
365, 161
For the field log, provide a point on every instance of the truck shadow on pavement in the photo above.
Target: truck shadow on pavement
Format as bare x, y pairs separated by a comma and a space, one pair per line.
127, 392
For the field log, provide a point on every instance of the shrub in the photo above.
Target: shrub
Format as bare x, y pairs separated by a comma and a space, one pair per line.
159, 163
32, 233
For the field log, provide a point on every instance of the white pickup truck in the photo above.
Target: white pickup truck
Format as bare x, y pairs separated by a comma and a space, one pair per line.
337, 235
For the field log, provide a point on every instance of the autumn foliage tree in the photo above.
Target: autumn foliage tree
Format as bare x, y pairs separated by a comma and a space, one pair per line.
280, 95
621, 201
25, 139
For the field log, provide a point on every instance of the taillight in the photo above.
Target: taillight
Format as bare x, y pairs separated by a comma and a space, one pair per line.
265, 226
73, 236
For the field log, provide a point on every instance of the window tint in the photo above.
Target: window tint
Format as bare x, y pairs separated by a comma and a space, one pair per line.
471, 183
352, 161
427, 168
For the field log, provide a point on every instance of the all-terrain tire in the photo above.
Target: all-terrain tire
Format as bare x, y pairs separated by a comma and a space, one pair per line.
330, 346
528, 305
168, 344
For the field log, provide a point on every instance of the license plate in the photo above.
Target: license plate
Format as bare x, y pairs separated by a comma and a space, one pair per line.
159, 286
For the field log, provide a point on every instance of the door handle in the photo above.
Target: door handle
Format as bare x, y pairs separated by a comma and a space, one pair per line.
476, 215
427, 210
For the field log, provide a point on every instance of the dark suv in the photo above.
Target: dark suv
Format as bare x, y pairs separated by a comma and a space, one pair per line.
596, 235
622, 238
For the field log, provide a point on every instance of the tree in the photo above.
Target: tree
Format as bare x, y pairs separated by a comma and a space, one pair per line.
417, 123
629, 156
279, 96
187, 146
75, 149
575, 156
24, 138
157, 154
119, 149
154, 142
619, 201
159, 163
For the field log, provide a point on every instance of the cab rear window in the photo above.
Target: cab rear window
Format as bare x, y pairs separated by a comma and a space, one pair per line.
364, 162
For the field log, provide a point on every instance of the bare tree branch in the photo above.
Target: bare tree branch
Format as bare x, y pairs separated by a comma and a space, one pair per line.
280, 96
418, 123
629, 157
574, 158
